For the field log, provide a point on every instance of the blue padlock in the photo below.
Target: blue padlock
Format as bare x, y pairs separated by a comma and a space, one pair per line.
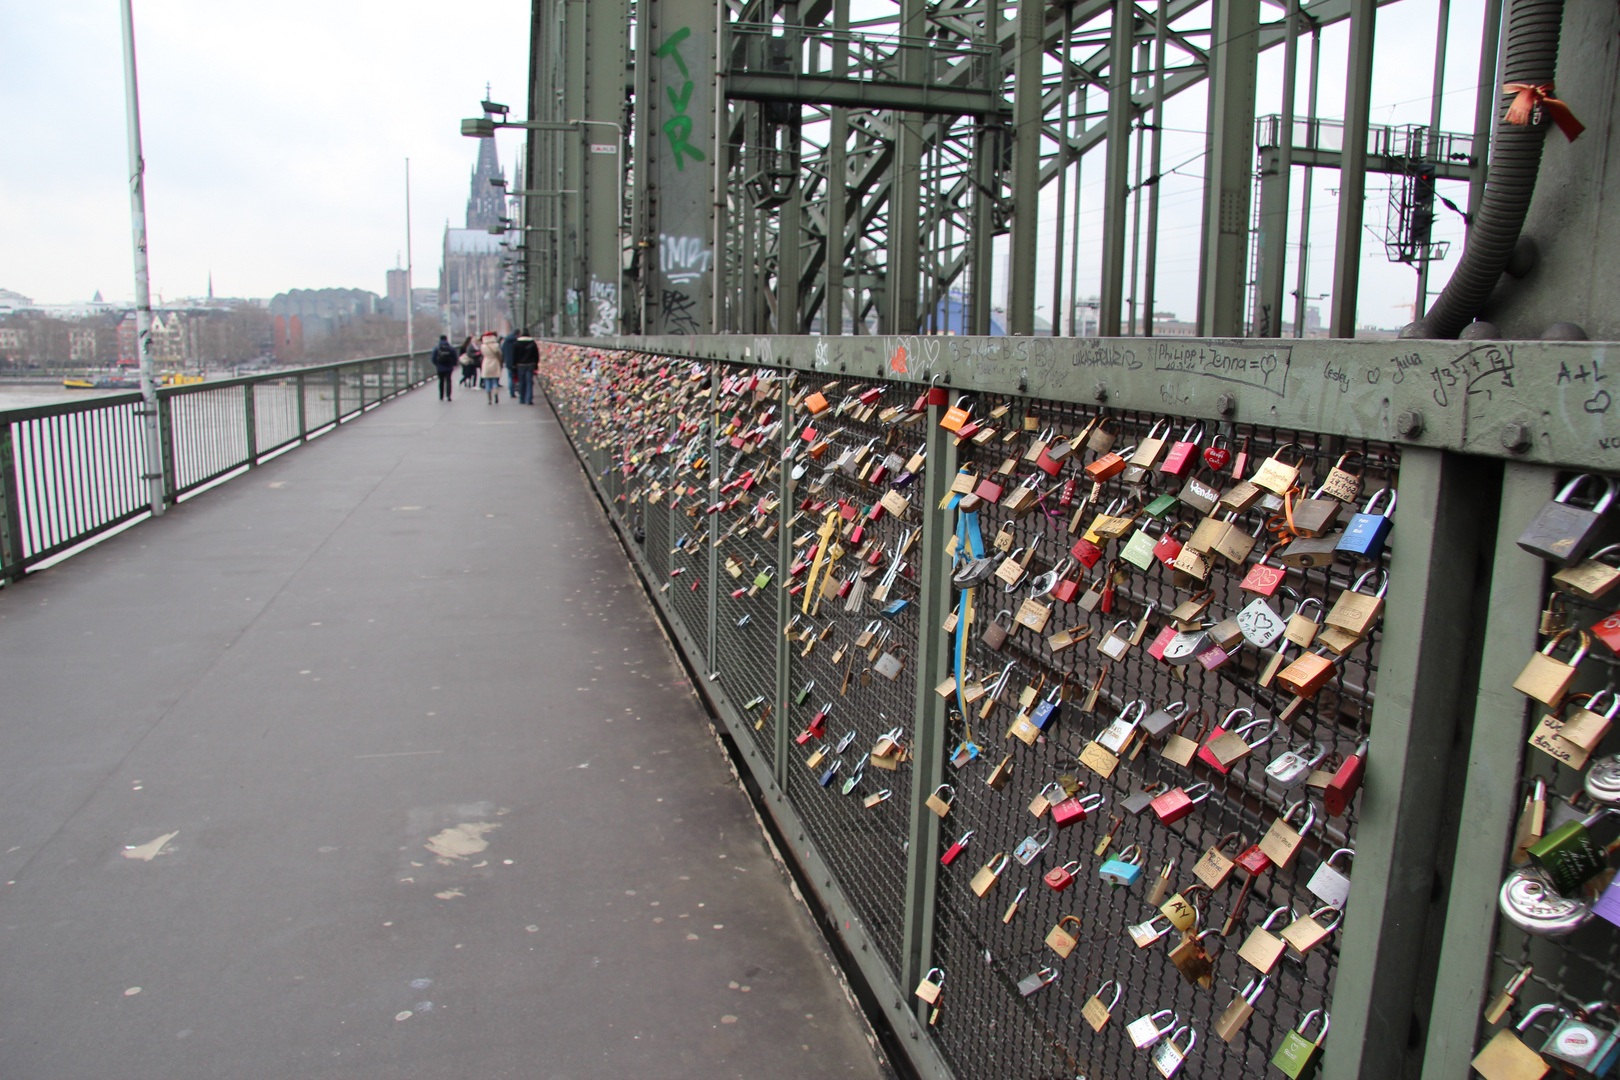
1125, 868
827, 777
1367, 531
1048, 710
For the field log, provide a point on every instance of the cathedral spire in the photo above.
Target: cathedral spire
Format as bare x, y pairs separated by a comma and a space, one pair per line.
486, 201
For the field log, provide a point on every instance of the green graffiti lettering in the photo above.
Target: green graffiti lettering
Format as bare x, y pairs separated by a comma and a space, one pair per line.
679, 130
671, 47
679, 127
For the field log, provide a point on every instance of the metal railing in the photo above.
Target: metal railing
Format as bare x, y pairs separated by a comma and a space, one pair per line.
73, 470
1475, 437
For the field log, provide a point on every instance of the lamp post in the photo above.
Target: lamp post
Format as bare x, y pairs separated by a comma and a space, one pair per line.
410, 298
143, 291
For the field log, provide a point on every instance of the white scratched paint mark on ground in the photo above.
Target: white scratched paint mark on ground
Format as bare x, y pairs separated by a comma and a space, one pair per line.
400, 753
450, 894
146, 852
462, 840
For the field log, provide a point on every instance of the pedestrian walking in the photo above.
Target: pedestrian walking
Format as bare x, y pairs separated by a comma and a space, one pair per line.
490, 347
470, 359
528, 360
444, 362
509, 358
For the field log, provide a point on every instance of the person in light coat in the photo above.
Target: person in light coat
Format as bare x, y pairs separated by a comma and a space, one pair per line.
490, 374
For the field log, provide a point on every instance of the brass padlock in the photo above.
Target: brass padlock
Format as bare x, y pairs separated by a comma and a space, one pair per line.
1262, 949
1062, 941
988, 875
1545, 677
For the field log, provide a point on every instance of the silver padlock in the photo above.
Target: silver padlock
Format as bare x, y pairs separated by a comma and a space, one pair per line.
1117, 734
1580, 1042
1114, 644
888, 665
1260, 625
843, 743
1145, 1030
1031, 846
1291, 767
1159, 721
1031, 983
1330, 885
1186, 647
1602, 781
1528, 900
1167, 1056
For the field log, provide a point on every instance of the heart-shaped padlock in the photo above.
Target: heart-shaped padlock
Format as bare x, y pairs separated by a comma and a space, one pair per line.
1217, 457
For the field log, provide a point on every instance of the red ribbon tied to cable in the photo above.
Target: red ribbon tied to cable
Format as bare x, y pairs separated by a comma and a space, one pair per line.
1530, 96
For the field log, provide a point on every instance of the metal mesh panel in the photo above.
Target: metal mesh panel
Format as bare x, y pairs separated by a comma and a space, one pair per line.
1583, 967
986, 1026
209, 437
275, 414
863, 846
320, 407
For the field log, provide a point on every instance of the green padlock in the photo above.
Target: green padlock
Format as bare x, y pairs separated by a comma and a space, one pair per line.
1298, 1056
1569, 855
1161, 506
798, 699
1138, 551
763, 578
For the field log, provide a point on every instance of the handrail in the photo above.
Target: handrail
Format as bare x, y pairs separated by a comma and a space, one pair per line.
73, 470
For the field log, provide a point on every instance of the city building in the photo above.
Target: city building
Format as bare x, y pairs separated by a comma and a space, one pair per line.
302, 317
472, 281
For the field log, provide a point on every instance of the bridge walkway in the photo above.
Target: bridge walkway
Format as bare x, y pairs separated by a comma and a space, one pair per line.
374, 763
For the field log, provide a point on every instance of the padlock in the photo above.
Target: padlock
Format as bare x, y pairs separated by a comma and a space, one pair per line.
1177, 803
1047, 711
1161, 506
1062, 941
853, 782
1260, 625
941, 806
1367, 531
1186, 647
876, 797
1562, 533
1108, 466
1262, 949
1000, 774
1180, 749
1602, 781
1184, 452
1592, 578
1506, 1057
988, 874
955, 849
1144, 1031
1528, 900
1297, 1056
1355, 611
1118, 734
1061, 877
1309, 552
1274, 474
1140, 800
995, 634
1159, 721
1551, 735
1183, 911
1226, 748
1145, 934
1282, 840
826, 778
1545, 677
1194, 962
1214, 866
1031, 846
1125, 868
1308, 931
1568, 856
1236, 1015
1290, 768
1301, 628
1031, 983
1261, 579
1167, 1057
1138, 550
1499, 1006
1579, 1042
1075, 809
890, 664
1151, 448
1345, 783
1094, 1012
1330, 885
1314, 516
1115, 644
932, 985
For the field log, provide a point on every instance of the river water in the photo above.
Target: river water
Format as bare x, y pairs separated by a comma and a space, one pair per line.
24, 395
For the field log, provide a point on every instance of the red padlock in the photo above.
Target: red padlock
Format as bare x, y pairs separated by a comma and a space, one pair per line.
1207, 755
1262, 579
1608, 631
1070, 486
1181, 455
1061, 877
1177, 803
1346, 782
1168, 549
878, 474
1240, 462
1086, 553
988, 490
1254, 860
1157, 646
1217, 456
955, 849
876, 513
1074, 809
1066, 590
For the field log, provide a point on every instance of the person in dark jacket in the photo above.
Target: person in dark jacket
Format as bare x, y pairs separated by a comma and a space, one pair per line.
528, 359
509, 361
470, 359
444, 362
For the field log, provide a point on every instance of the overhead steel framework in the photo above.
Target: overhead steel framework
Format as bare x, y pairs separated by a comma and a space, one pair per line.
861, 166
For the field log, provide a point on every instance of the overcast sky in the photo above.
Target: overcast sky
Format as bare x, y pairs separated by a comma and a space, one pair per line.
275, 135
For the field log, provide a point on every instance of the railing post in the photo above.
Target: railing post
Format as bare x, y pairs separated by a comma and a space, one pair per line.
934, 664
712, 638
165, 405
11, 555
303, 418
250, 419
337, 397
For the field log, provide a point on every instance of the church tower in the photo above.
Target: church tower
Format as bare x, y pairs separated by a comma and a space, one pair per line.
486, 204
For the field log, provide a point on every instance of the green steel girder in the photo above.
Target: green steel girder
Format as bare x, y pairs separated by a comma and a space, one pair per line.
927, 98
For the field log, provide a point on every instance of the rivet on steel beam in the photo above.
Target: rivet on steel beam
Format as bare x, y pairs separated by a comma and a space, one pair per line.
1100, 392
1516, 437
1410, 424
1226, 404
1023, 383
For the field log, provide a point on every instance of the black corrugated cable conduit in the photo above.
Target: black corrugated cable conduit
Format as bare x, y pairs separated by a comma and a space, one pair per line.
1530, 57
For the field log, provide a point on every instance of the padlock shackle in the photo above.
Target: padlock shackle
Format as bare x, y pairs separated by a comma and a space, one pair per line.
1338, 916
1069, 918
928, 976
999, 866
945, 787
1310, 815
1374, 499
1065, 867
1340, 851
1570, 488
1126, 856
1228, 720
1141, 708
1153, 431
1270, 726
1196, 425
1115, 1001
1188, 791
1271, 918
1299, 608
1580, 652
1192, 1039
1305, 1022
1153, 1018
1536, 1011
1382, 585
1099, 796
964, 839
